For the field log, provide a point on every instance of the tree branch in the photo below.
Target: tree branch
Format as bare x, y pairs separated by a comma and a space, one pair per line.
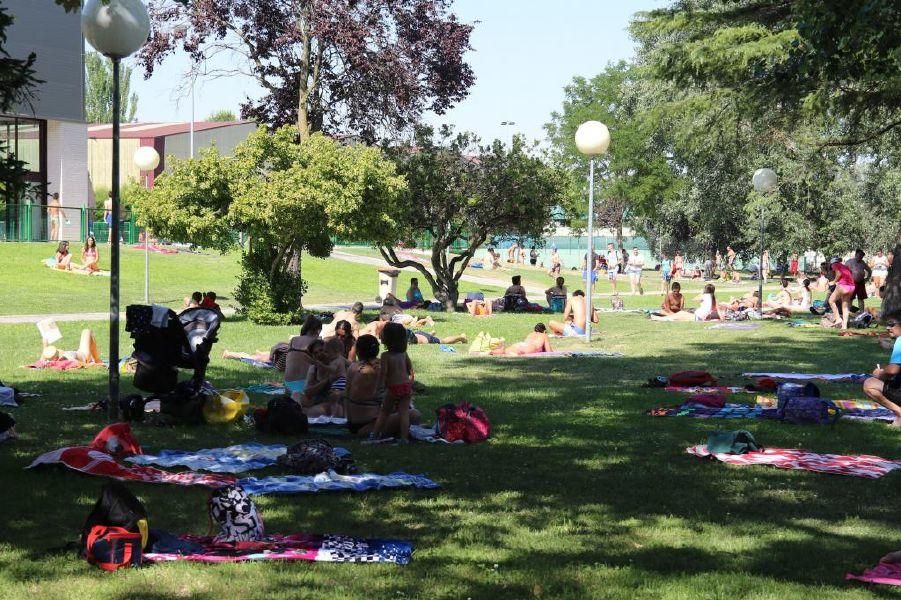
849, 141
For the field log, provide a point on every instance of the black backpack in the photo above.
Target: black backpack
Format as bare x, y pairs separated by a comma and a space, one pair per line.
282, 415
311, 457
116, 507
184, 405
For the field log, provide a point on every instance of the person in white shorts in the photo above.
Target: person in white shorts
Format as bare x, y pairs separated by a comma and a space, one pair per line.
634, 266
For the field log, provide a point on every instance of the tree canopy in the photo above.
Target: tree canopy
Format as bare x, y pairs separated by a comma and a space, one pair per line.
223, 115
286, 198
361, 68
98, 93
461, 192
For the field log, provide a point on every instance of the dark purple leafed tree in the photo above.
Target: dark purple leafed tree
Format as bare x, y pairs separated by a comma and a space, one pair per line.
364, 68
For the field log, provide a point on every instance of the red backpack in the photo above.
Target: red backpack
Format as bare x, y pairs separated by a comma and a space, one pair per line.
691, 379
463, 422
112, 548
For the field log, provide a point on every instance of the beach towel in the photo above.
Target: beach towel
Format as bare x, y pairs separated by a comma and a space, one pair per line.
735, 326
233, 459
869, 467
700, 411
564, 354
705, 389
327, 420
269, 389
94, 462
155, 248
333, 482
835, 378
885, 573
260, 364
800, 323
61, 364
320, 548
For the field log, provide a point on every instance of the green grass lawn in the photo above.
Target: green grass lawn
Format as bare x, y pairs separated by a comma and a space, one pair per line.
31, 288
578, 494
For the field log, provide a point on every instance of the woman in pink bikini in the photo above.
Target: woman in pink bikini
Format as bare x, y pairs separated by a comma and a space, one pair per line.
89, 255
844, 289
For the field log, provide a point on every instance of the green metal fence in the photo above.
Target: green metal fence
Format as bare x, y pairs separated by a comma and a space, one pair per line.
30, 222
424, 242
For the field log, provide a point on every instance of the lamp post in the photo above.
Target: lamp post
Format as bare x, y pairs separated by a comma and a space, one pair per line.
592, 139
510, 124
116, 29
764, 181
146, 158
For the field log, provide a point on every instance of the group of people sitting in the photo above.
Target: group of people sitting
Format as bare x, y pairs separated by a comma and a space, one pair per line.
343, 375
90, 257
201, 300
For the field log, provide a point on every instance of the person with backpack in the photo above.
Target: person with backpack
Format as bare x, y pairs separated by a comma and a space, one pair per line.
884, 386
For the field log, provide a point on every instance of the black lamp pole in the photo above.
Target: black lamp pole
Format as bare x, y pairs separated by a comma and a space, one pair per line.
113, 402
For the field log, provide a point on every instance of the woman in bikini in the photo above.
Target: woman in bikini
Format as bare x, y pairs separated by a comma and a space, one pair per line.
63, 257
299, 360
89, 256
844, 290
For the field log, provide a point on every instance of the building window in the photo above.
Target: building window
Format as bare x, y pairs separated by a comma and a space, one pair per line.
26, 140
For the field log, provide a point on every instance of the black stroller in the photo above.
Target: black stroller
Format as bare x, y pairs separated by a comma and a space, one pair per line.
169, 342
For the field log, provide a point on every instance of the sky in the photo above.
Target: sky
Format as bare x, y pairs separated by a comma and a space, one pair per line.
524, 53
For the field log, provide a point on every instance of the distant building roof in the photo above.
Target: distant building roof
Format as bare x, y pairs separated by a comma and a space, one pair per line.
151, 130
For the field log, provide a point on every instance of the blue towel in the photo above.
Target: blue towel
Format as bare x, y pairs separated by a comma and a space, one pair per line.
331, 481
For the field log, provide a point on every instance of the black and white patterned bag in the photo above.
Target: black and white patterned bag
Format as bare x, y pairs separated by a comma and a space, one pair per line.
232, 510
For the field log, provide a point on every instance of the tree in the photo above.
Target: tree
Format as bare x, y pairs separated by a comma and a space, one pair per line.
461, 192
17, 83
98, 93
345, 67
634, 176
288, 199
225, 116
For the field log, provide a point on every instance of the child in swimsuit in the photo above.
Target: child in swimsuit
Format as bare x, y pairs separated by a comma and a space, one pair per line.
363, 382
397, 377
328, 378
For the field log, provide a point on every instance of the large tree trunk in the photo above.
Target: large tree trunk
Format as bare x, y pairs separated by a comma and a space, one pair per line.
891, 300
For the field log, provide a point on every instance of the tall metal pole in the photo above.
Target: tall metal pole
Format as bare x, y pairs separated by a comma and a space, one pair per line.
760, 270
147, 257
113, 401
192, 114
589, 261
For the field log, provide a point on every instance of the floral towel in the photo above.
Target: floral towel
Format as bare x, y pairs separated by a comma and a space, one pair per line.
699, 411
327, 548
870, 467
886, 573
333, 482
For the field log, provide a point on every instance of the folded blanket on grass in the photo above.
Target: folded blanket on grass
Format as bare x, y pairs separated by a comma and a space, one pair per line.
870, 467
735, 326
233, 459
705, 390
886, 573
93, 462
838, 377
323, 548
333, 482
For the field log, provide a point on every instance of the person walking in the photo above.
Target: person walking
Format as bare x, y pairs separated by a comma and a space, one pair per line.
634, 266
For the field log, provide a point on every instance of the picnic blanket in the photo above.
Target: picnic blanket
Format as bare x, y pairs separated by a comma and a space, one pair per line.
320, 548
886, 573
706, 389
802, 323
333, 482
870, 467
260, 364
62, 364
269, 389
700, 411
835, 378
94, 462
557, 354
233, 459
735, 326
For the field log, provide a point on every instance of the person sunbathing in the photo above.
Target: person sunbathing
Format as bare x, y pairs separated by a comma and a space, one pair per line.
479, 308
326, 380
575, 315
63, 257
707, 311
674, 301
299, 359
87, 354
89, 255
783, 298
537, 341
885, 385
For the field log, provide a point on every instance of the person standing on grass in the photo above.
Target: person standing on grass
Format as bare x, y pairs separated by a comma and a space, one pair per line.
861, 271
612, 257
793, 265
843, 280
880, 269
730, 265
678, 266
533, 256
765, 265
556, 265
575, 315
666, 274
634, 265
397, 380
884, 386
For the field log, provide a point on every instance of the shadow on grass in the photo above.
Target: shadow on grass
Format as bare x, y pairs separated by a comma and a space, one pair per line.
575, 475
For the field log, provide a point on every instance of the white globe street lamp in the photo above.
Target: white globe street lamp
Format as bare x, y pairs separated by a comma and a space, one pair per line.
592, 139
116, 29
764, 181
146, 158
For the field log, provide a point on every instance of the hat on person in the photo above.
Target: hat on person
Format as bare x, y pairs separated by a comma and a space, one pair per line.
50, 353
834, 260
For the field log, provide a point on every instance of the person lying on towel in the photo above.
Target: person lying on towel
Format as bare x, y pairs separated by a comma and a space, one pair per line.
537, 341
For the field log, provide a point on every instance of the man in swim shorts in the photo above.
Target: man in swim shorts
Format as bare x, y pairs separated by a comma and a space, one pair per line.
575, 315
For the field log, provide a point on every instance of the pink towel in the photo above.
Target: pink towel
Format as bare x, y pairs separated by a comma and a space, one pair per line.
887, 573
870, 467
